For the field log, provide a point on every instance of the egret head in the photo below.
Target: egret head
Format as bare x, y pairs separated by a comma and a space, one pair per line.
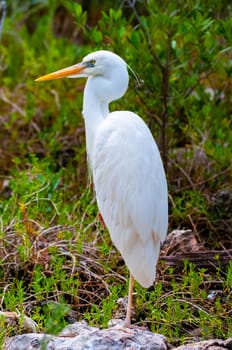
94, 64
108, 70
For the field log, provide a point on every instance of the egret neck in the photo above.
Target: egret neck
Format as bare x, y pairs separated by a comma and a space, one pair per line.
103, 86
94, 113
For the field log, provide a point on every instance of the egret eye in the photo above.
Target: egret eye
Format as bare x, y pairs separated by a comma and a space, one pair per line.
91, 63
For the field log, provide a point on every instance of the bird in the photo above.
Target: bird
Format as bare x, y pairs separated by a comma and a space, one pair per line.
127, 170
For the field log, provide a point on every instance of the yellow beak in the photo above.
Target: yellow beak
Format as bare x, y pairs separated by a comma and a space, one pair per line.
66, 72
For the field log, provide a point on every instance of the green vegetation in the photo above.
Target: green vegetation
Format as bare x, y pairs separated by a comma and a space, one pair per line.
54, 255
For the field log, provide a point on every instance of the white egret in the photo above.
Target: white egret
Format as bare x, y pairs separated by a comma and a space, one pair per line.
127, 170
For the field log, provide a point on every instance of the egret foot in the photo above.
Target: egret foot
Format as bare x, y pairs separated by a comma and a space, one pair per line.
122, 326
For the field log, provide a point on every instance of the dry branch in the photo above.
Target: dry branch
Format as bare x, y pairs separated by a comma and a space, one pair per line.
207, 259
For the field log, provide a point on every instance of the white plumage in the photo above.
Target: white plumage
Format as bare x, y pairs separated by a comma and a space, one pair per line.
127, 170
130, 187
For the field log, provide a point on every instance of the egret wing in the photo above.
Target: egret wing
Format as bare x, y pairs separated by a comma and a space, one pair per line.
131, 191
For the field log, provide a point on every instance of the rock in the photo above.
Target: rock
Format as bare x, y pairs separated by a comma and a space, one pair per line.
181, 242
213, 344
18, 321
80, 336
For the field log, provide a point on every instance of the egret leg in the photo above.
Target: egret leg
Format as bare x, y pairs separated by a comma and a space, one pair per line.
102, 222
129, 305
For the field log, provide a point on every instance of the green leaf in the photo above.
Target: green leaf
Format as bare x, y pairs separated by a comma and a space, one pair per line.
96, 35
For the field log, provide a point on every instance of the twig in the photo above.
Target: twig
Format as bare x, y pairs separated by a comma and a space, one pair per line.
193, 185
74, 262
39, 190
165, 70
3, 9
226, 250
131, 4
194, 227
183, 172
47, 200
3, 295
165, 97
193, 305
14, 105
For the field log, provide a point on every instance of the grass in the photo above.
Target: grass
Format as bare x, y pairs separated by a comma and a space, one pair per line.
56, 267
55, 274
56, 261
56, 258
